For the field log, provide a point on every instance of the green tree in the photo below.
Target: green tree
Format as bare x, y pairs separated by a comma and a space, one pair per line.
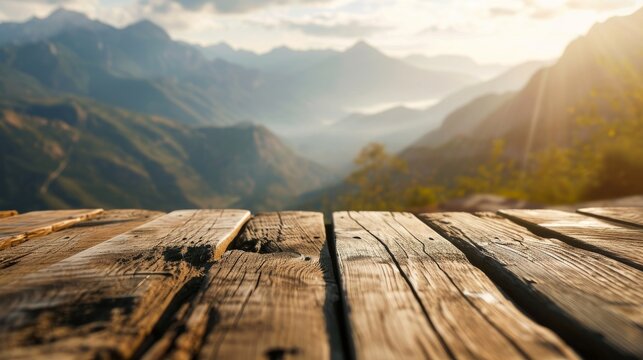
498, 175
381, 182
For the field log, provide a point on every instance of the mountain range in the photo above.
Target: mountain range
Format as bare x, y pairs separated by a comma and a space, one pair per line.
284, 59
541, 115
93, 115
528, 110
601, 62
362, 75
35, 29
456, 63
140, 68
72, 152
399, 127
280, 60
513, 79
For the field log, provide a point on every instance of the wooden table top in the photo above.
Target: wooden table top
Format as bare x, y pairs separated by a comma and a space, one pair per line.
226, 284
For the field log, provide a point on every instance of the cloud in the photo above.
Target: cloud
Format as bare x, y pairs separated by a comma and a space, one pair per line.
20, 10
599, 5
544, 13
530, 8
350, 29
540, 10
240, 6
435, 29
501, 11
49, 2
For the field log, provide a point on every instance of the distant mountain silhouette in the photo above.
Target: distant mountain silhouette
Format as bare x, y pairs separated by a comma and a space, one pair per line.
147, 30
336, 146
364, 75
400, 127
225, 51
280, 60
36, 29
464, 120
142, 69
70, 152
511, 80
456, 63
138, 68
319, 84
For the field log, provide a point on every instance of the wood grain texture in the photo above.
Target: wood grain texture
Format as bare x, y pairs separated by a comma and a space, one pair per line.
7, 213
618, 242
627, 215
413, 294
42, 251
17, 229
273, 300
108, 301
594, 302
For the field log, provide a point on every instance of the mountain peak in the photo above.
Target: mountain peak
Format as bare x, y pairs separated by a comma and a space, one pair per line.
222, 46
281, 50
62, 14
59, 21
149, 29
362, 47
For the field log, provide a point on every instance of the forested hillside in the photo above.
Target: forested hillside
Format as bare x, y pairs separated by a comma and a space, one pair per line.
70, 152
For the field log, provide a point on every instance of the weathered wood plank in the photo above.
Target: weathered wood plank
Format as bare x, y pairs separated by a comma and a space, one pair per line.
42, 251
594, 302
106, 301
272, 299
7, 213
618, 242
16, 229
626, 215
412, 294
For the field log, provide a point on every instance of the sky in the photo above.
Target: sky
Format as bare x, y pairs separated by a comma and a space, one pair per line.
495, 31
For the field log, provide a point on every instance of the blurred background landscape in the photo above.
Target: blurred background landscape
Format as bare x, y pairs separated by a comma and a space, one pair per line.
326, 105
